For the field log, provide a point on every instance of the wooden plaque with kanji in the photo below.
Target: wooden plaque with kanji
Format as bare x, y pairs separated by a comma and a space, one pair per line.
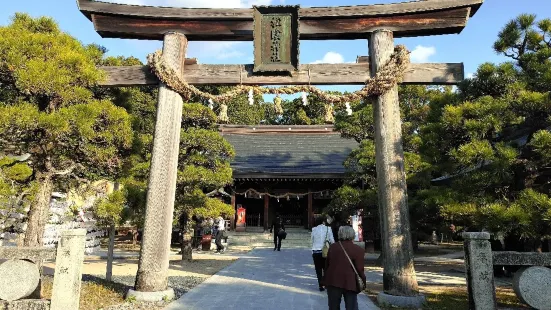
276, 39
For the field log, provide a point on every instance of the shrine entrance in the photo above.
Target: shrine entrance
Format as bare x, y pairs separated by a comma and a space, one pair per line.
277, 31
290, 170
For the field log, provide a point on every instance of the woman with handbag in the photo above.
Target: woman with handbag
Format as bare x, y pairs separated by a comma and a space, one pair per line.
344, 274
322, 238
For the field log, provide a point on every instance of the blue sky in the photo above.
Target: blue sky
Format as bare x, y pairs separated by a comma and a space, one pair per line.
472, 47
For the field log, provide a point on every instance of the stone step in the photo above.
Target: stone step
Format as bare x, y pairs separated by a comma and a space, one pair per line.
270, 243
268, 238
296, 237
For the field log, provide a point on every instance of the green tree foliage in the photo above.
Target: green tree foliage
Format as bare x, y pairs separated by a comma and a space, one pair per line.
493, 141
296, 113
204, 160
16, 194
240, 112
48, 110
361, 164
203, 166
109, 210
528, 42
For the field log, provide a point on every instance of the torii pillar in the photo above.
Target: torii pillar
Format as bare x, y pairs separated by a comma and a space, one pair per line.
152, 276
399, 280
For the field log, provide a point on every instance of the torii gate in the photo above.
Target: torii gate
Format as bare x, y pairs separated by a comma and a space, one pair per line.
380, 24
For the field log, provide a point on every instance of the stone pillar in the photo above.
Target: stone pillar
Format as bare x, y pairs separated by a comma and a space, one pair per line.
266, 212
68, 270
399, 273
153, 266
479, 267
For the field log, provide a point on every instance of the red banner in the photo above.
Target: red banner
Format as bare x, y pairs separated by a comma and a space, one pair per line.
240, 216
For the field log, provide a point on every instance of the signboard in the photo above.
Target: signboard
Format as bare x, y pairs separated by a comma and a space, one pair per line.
276, 39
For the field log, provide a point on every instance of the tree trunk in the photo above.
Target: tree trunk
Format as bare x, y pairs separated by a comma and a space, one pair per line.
135, 237
110, 249
187, 250
399, 273
40, 212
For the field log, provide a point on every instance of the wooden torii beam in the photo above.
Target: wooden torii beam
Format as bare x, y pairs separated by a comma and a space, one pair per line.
409, 19
315, 74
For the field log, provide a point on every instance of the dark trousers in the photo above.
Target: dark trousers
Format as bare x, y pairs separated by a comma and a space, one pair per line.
334, 295
218, 241
319, 263
277, 241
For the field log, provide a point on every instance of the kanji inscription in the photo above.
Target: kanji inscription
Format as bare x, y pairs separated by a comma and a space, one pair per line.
276, 34
276, 39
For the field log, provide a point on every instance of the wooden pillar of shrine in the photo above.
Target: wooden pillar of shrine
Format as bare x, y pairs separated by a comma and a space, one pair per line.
310, 211
266, 212
232, 224
399, 274
153, 266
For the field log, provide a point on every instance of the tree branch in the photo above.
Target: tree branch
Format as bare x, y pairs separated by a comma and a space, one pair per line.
68, 170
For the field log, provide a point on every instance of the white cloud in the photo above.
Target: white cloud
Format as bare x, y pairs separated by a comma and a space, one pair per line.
422, 53
470, 75
330, 58
218, 50
197, 3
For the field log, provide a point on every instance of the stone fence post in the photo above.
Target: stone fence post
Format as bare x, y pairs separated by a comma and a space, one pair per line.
480, 271
68, 270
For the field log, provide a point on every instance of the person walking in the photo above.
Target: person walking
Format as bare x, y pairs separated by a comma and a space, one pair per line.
322, 237
344, 262
220, 225
277, 226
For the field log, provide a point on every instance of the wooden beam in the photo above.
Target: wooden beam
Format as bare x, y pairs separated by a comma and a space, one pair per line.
315, 74
447, 21
89, 7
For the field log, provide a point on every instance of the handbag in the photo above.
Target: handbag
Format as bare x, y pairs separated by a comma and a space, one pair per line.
282, 234
325, 248
360, 286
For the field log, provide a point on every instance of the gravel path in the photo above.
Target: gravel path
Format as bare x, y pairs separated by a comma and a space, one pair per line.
180, 284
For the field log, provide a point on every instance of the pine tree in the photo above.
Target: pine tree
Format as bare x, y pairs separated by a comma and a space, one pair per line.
48, 111
492, 140
203, 166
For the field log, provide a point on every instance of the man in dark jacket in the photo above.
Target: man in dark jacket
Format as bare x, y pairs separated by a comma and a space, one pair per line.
277, 225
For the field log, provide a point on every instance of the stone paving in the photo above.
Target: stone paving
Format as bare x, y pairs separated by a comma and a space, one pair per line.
264, 280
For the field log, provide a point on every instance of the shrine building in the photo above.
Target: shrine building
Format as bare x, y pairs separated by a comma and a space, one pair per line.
290, 170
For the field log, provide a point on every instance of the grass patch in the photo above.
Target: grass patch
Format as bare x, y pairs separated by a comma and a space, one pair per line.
95, 293
456, 298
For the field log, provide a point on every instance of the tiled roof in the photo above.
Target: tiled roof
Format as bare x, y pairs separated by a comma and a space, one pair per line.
299, 154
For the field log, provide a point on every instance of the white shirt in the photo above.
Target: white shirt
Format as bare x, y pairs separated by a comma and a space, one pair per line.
221, 223
319, 234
